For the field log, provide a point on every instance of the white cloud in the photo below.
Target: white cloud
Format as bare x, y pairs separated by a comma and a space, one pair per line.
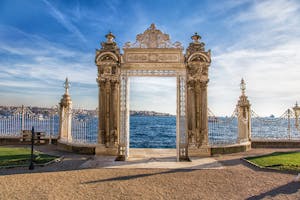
153, 94
36, 68
266, 55
63, 20
274, 11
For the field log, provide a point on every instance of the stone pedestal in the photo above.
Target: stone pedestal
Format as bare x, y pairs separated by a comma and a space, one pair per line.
228, 149
65, 116
244, 117
203, 151
107, 151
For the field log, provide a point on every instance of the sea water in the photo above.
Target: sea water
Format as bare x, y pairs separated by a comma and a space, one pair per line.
152, 131
159, 131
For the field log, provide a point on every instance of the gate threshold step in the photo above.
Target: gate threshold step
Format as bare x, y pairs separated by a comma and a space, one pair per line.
151, 152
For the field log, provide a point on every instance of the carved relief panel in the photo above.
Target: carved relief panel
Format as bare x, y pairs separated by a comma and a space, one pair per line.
152, 57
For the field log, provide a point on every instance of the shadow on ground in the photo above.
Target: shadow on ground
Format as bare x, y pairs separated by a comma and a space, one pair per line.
69, 162
288, 189
72, 161
125, 178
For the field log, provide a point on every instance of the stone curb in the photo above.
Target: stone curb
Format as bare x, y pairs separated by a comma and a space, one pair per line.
267, 168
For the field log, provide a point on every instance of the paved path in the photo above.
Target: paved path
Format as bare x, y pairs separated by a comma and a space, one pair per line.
152, 159
66, 180
152, 163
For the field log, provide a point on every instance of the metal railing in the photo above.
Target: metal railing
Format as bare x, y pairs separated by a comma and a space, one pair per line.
23, 119
271, 128
84, 129
222, 130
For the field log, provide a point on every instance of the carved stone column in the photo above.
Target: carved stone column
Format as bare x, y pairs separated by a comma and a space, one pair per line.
65, 116
108, 63
204, 115
197, 63
244, 117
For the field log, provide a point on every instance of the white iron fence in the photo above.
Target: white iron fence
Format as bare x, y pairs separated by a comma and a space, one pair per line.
23, 119
222, 130
84, 128
284, 127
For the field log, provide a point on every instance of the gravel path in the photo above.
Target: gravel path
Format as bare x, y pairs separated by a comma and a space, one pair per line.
237, 180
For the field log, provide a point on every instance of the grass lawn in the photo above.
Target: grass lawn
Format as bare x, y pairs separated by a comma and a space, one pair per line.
289, 161
21, 156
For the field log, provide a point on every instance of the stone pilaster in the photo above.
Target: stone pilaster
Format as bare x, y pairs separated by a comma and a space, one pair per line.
108, 64
296, 109
65, 116
197, 63
244, 116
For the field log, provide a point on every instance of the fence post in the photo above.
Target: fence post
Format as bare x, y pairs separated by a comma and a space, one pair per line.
51, 127
289, 123
297, 113
244, 116
23, 118
65, 115
52, 113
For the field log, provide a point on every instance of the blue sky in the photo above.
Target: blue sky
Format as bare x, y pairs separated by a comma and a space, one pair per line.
43, 41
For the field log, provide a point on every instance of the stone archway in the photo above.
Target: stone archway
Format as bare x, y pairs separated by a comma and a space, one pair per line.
153, 54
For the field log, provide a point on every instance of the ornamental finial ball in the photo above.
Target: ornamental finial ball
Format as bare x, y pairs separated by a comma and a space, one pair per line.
296, 109
196, 38
152, 26
110, 37
243, 86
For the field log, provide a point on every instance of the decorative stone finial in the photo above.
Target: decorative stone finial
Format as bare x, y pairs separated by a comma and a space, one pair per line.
243, 101
196, 38
67, 86
243, 86
110, 37
109, 44
296, 109
152, 26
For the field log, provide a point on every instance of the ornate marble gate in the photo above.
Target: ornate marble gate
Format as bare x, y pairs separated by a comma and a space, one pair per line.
153, 54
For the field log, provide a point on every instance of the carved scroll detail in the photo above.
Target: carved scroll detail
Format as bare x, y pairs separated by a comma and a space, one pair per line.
153, 38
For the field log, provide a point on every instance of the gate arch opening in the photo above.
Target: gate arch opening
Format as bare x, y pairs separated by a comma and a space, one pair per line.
153, 54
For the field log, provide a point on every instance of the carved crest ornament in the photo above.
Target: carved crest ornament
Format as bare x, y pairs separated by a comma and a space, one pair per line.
153, 38
152, 54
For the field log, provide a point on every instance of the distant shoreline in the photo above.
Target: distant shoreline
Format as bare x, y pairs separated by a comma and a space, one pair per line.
149, 113
9, 110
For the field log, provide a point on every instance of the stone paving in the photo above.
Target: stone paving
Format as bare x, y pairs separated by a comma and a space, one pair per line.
221, 177
152, 159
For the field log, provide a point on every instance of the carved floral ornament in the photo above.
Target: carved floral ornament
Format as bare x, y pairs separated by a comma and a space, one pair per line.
152, 57
153, 38
106, 58
199, 56
110, 79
